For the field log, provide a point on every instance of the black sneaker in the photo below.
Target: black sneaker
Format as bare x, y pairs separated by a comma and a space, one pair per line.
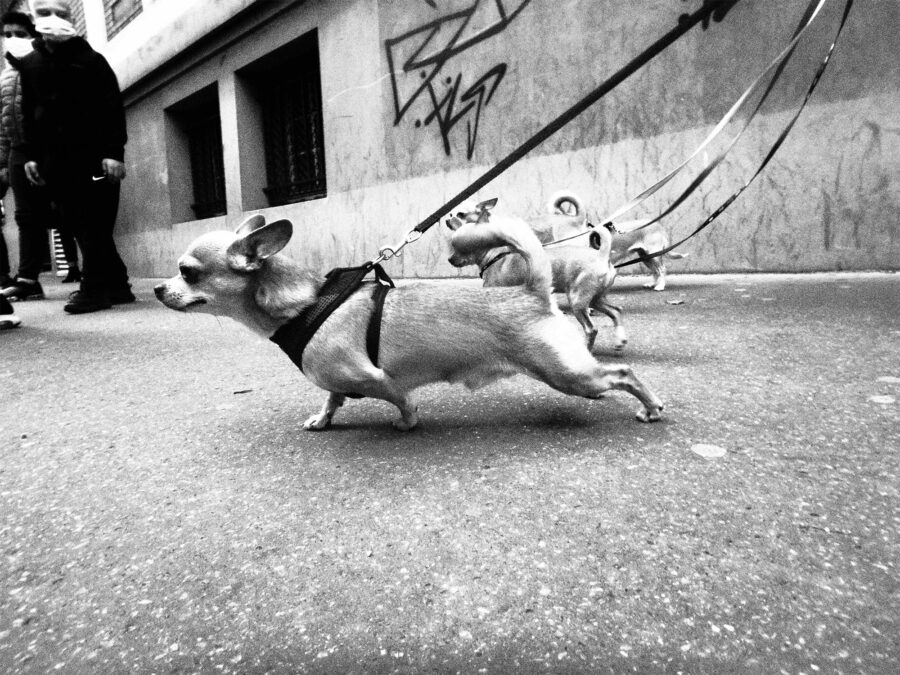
7, 282
72, 276
121, 296
24, 290
81, 302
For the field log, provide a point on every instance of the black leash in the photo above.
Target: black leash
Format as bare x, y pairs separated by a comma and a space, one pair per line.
778, 142
711, 8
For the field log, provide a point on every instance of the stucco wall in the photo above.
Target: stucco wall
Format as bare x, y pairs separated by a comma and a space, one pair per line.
829, 199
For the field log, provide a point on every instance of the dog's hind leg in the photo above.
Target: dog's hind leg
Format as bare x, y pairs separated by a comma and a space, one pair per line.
323, 419
576, 372
658, 269
614, 313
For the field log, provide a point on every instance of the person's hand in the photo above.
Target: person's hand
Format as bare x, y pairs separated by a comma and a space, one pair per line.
114, 170
33, 175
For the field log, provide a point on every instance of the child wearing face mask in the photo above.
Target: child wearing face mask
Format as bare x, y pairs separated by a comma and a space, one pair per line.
32, 211
74, 143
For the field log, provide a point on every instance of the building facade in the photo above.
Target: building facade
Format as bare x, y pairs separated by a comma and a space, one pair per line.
355, 119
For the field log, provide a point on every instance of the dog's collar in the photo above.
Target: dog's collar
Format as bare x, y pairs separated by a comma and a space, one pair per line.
490, 262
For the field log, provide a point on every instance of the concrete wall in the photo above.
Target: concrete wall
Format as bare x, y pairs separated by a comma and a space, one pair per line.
396, 149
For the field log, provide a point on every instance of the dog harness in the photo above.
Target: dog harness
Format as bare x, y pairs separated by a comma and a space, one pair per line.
340, 284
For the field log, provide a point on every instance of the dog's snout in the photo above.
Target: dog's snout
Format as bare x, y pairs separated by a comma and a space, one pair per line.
159, 290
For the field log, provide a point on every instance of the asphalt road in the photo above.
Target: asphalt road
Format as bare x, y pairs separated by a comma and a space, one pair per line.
161, 511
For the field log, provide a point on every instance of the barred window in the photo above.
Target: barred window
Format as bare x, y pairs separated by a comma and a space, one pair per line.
119, 13
196, 163
204, 132
78, 17
289, 93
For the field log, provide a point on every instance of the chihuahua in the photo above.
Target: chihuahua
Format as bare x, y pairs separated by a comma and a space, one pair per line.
630, 239
629, 242
430, 333
583, 274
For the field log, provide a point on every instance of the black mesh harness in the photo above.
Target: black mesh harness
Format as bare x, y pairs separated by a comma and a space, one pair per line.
340, 284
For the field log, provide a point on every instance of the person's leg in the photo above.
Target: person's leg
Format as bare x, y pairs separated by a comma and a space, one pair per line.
113, 270
31, 213
88, 210
4, 259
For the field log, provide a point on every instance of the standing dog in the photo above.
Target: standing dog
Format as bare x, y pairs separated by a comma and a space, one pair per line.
629, 241
583, 274
430, 333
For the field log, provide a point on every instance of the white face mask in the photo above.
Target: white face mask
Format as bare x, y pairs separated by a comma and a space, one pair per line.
54, 29
17, 46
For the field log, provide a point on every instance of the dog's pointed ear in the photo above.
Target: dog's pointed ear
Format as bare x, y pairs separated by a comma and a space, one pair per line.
247, 252
487, 204
254, 222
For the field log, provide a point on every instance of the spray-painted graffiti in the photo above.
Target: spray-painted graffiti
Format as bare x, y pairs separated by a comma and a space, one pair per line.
418, 59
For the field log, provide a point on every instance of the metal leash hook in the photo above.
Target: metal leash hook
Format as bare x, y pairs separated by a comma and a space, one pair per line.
388, 252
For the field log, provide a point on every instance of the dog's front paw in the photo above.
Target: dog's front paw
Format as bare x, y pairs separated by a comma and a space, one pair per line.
317, 422
407, 421
649, 414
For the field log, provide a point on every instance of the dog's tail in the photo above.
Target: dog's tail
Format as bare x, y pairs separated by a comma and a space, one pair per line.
515, 234
567, 203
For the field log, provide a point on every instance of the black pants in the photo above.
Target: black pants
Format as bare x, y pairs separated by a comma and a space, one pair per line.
33, 217
88, 209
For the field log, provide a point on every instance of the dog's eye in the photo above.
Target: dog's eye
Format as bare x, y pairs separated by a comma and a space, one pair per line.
189, 274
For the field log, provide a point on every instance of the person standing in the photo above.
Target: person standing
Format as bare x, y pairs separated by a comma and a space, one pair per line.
74, 139
32, 212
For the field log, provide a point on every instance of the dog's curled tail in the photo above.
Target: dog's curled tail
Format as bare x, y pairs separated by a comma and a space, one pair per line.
517, 235
565, 202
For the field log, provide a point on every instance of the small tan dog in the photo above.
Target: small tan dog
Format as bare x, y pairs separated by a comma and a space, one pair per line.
430, 333
628, 241
583, 274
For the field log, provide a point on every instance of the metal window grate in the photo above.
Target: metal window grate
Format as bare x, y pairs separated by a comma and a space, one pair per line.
119, 13
294, 142
78, 17
204, 131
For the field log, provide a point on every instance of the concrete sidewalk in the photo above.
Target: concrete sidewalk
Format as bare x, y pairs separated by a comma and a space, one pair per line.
162, 511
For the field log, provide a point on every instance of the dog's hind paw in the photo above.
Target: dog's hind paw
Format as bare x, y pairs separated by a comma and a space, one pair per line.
649, 414
318, 422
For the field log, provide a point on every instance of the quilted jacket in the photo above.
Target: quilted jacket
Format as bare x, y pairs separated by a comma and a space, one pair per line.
10, 110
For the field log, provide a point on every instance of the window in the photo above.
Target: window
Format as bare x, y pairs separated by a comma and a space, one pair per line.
119, 14
78, 17
195, 140
287, 92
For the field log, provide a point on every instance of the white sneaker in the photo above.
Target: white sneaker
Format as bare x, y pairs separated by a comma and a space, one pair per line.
8, 318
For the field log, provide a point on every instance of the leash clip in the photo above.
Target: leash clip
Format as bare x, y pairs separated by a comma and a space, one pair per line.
388, 252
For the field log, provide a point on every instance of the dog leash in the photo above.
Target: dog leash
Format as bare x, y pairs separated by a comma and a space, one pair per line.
711, 8
778, 142
779, 63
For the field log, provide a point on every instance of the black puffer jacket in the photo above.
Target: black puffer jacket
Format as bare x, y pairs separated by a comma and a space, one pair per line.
72, 109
